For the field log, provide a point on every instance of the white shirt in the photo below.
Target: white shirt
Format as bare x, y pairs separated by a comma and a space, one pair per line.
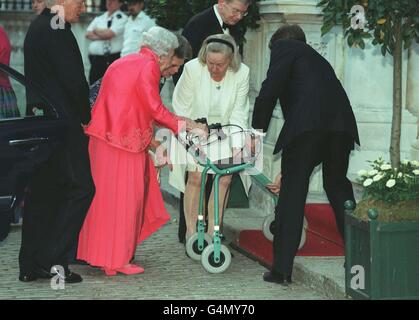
220, 20
118, 20
134, 29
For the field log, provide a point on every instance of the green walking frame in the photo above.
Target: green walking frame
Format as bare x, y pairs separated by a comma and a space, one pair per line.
214, 256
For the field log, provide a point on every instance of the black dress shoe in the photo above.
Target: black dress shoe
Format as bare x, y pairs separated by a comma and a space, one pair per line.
29, 277
72, 277
277, 278
69, 277
43, 273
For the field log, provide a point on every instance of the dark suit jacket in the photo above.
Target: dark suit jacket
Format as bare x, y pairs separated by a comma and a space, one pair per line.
311, 96
53, 61
198, 28
201, 26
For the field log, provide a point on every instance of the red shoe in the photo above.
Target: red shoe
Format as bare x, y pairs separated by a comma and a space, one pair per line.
131, 269
109, 272
128, 269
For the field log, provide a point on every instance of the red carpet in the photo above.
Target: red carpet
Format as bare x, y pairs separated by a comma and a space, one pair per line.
323, 238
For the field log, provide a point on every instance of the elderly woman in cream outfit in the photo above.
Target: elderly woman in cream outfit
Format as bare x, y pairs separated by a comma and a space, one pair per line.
214, 86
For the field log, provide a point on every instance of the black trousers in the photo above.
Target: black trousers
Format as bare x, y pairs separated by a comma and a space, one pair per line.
299, 159
99, 65
61, 191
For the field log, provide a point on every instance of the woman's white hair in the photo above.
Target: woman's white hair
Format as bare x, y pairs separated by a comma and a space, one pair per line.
159, 40
228, 47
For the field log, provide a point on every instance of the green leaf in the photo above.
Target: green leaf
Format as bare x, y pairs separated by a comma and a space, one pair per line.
366, 35
326, 28
351, 40
322, 3
384, 50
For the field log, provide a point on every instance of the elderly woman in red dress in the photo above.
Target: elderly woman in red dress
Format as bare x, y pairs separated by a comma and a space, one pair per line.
128, 205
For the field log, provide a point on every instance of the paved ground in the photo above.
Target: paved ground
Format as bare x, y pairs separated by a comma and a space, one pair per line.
169, 275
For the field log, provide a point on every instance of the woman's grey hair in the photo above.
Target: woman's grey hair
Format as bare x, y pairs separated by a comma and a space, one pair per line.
159, 40
232, 52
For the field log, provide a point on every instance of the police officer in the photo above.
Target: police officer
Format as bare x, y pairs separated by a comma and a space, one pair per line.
106, 33
138, 23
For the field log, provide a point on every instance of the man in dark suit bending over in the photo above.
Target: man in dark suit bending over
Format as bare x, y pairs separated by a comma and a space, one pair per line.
319, 128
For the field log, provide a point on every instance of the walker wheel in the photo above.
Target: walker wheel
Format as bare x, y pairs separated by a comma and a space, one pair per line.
268, 229
207, 259
191, 246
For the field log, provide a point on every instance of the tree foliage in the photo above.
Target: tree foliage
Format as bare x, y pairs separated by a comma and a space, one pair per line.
382, 20
393, 25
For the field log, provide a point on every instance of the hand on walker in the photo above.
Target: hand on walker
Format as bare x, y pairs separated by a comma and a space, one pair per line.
199, 129
276, 186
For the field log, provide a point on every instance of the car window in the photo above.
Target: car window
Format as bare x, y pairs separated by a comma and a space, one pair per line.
18, 100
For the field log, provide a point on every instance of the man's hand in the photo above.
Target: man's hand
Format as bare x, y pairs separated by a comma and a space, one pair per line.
276, 186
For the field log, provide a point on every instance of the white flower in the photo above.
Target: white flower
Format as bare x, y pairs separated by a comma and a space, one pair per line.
362, 173
400, 175
378, 177
416, 172
415, 163
385, 167
391, 183
368, 182
372, 173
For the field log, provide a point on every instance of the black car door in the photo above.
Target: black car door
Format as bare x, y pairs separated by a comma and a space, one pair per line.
29, 132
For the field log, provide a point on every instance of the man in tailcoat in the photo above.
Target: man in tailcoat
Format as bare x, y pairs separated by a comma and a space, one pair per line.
62, 188
319, 128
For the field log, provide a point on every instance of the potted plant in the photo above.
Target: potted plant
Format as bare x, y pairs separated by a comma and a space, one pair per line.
382, 234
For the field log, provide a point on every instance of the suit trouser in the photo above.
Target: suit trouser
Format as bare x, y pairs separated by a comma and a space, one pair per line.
61, 191
299, 159
99, 65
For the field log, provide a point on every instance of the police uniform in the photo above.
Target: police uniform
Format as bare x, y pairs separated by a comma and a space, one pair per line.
103, 52
134, 29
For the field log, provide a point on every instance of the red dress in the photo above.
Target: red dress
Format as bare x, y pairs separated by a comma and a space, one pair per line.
128, 205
